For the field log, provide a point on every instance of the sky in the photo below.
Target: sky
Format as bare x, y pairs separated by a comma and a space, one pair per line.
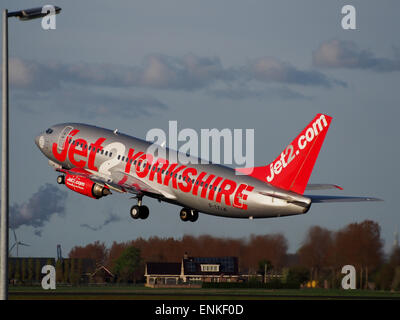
263, 65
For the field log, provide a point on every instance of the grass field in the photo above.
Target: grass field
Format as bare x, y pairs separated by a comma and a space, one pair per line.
142, 293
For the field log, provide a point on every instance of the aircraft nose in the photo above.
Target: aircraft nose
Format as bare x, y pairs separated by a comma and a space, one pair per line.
39, 141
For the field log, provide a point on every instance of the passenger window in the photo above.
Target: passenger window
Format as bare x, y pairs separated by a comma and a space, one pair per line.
110, 154
123, 158
119, 157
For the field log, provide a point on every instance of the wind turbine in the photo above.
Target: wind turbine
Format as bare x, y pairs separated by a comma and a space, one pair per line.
17, 243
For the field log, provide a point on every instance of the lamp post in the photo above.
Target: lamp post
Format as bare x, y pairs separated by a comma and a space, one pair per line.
27, 14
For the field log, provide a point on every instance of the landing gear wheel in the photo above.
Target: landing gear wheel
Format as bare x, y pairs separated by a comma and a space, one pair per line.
185, 214
144, 212
135, 212
61, 179
194, 215
141, 212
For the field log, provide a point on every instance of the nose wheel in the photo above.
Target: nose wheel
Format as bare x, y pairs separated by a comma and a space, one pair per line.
189, 215
139, 211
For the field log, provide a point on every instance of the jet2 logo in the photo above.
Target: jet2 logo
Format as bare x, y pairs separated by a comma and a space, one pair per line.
303, 140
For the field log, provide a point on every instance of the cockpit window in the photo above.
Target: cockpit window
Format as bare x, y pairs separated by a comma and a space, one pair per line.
48, 131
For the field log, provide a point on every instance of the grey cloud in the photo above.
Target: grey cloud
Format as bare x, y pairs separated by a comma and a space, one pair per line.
346, 54
267, 93
163, 72
268, 69
89, 102
111, 219
46, 202
157, 72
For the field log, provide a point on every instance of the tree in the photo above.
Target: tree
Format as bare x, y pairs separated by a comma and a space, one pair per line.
360, 244
67, 263
126, 265
23, 270
17, 274
30, 270
59, 271
74, 276
316, 251
96, 251
37, 271
298, 275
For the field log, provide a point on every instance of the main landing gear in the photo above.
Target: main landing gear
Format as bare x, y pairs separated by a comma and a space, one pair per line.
139, 210
187, 214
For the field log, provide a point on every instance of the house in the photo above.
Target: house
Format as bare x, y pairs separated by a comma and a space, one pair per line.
192, 270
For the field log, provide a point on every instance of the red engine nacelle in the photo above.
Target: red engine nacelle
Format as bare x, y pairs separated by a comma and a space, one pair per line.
86, 186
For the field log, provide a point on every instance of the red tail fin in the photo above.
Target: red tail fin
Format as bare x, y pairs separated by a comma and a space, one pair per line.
292, 169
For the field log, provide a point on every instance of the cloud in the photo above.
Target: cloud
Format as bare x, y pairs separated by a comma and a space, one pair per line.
268, 69
157, 71
259, 94
346, 54
46, 202
88, 102
111, 219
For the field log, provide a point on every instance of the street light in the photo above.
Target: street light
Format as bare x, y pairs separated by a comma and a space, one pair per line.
27, 14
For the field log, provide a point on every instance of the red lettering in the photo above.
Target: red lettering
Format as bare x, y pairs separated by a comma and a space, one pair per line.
147, 160
164, 163
214, 187
130, 160
171, 174
63, 155
240, 195
206, 185
79, 152
187, 179
226, 192
92, 154
198, 182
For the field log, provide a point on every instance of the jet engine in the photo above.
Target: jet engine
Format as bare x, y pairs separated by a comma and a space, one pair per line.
86, 186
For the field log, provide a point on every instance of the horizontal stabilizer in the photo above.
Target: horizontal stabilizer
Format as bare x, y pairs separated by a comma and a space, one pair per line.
317, 186
322, 199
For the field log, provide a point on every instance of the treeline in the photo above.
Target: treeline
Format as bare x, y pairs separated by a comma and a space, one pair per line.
249, 251
26, 270
320, 258
325, 252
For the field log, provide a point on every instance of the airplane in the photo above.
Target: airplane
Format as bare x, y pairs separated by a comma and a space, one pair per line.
95, 162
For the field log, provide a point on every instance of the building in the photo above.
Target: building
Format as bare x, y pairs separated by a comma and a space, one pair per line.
192, 270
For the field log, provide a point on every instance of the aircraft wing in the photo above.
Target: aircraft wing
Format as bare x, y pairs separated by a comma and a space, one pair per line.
318, 186
322, 199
